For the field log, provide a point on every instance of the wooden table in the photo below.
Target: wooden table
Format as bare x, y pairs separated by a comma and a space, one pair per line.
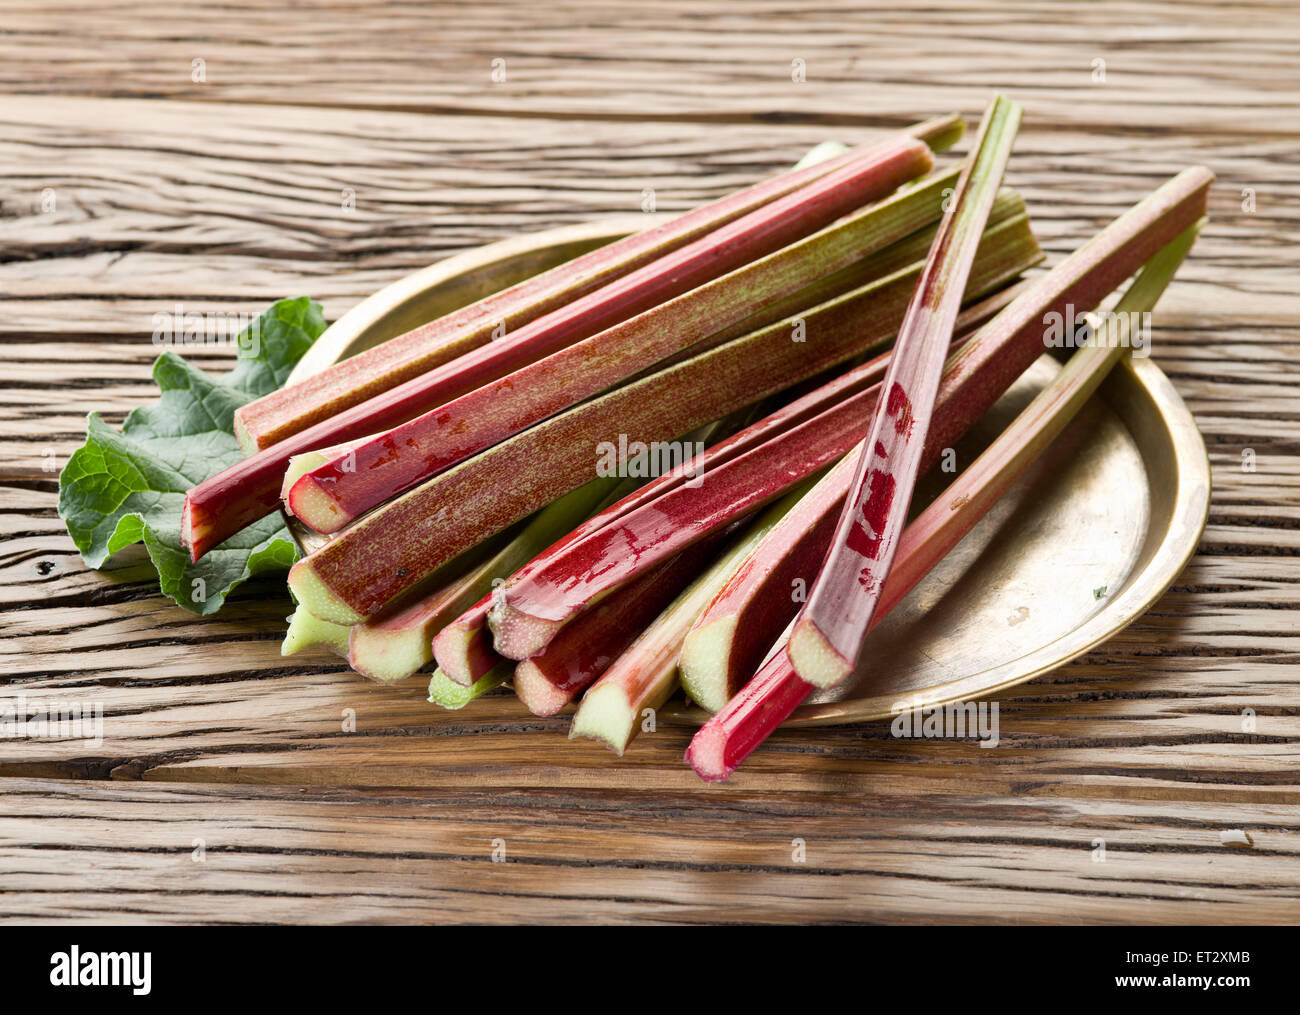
227, 790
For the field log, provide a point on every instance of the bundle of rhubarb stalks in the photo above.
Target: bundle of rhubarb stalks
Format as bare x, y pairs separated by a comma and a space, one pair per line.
814, 342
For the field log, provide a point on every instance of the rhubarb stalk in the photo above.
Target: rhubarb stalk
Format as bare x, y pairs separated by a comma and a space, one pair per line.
530, 611
646, 674
307, 631
248, 490
449, 694
585, 649
463, 648
300, 465
280, 414
398, 642
336, 493
897, 256
393, 547
826, 640
776, 689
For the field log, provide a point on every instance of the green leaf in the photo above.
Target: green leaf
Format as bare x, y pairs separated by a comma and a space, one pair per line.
123, 487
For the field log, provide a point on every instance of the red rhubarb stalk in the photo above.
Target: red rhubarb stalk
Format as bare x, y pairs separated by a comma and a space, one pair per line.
645, 675
337, 493
398, 641
222, 505
397, 545
530, 611
586, 648
896, 257
776, 690
282, 413
300, 465
827, 637
462, 648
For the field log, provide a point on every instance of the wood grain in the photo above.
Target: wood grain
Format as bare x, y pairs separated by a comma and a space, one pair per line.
250, 854
227, 193
1171, 68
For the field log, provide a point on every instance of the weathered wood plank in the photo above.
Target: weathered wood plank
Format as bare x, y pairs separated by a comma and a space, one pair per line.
402, 856
131, 212
1168, 66
148, 246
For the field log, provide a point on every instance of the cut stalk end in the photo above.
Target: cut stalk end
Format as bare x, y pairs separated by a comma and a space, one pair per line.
446, 692
519, 635
299, 466
707, 754
814, 658
187, 532
315, 506
703, 665
941, 133
452, 647
246, 441
538, 693
308, 461
306, 631
464, 650
319, 599
386, 656
606, 715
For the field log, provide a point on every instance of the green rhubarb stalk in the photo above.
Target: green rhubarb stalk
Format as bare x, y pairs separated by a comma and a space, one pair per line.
897, 256
824, 151
306, 631
395, 546
645, 675
446, 692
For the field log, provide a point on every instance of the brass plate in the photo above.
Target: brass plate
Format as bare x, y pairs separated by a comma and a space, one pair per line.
1082, 546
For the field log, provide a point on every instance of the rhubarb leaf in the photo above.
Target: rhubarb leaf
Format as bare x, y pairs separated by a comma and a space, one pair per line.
127, 486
